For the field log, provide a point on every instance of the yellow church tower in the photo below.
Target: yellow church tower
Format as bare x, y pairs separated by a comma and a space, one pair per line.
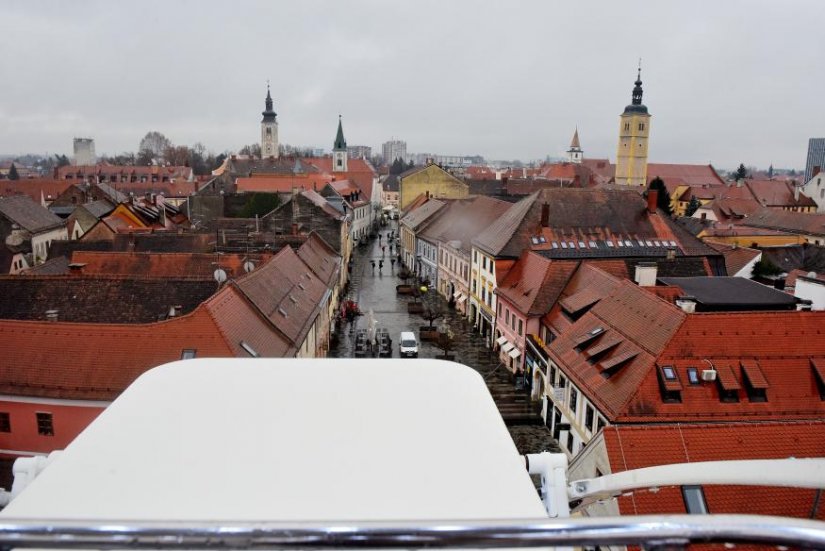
634, 130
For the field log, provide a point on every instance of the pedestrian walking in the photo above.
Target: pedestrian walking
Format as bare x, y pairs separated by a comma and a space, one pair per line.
383, 247
380, 265
373, 265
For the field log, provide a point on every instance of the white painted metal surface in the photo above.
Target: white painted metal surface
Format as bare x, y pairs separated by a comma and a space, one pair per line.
294, 441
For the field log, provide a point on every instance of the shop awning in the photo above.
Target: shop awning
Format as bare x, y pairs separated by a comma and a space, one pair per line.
508, 346
514, 353
501, 340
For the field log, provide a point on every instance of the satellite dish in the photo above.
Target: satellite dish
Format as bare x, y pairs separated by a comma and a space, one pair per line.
220, 275
248, 266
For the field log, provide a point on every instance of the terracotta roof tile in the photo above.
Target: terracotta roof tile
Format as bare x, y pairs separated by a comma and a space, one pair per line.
639, 446
38, 189
736, 258
194, 265
287, 293
322, 259
534, 283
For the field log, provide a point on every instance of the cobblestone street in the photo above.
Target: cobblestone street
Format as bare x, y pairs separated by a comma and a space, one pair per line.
375, 290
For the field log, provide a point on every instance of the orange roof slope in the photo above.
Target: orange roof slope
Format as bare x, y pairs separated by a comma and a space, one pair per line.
534, 283
635, 447
195, 265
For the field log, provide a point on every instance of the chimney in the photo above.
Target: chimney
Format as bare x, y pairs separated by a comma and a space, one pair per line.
687, 304
645, 274
427, 194
795, 191
52, 315
294, 228
175, 310
652, 200
671, 254
545, 215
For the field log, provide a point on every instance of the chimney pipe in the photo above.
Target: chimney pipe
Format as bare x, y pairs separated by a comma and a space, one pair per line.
795, 192
545, 215
52, 315
652, 200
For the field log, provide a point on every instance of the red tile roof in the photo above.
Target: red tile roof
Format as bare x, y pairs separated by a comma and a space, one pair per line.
691, 175
105, 169
98, 361
37, 188
635, 447
198, 265
277, 183
773, 193
287, 293
534, 283
322, 259
736, 257
359, 171
587, 277
656, 332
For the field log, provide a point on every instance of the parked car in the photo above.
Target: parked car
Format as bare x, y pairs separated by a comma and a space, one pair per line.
408, 345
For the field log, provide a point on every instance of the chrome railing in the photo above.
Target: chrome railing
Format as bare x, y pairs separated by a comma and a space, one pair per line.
659, 532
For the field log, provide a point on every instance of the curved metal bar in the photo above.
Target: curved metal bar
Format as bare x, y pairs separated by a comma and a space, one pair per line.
648, 531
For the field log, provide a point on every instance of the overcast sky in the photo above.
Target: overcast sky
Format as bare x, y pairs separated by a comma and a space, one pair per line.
726, 82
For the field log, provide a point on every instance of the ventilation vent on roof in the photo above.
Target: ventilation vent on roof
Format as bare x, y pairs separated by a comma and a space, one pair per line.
293, 299
282, 311
301, 285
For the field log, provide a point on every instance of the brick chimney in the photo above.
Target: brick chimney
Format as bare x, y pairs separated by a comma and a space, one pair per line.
652, 200
646, 274
545, 215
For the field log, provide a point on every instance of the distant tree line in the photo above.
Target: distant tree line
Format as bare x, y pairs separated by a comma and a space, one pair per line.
398, 166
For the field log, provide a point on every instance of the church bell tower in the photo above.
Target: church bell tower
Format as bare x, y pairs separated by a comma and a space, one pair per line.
339, 150
269, 129
634, 131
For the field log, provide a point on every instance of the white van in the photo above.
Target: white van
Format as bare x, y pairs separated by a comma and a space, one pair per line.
407, 344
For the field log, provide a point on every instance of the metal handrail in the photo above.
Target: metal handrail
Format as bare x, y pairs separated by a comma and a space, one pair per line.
675, 531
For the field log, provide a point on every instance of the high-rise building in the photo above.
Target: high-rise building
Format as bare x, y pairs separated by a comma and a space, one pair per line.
269, 129
394, 149
816, 157
634, 130
84, 152
359, 151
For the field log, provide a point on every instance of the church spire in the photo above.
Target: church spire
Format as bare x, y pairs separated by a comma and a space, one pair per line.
637, 90
574, 154
340, 142
268, 113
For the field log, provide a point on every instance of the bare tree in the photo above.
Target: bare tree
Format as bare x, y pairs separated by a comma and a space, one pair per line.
153, 146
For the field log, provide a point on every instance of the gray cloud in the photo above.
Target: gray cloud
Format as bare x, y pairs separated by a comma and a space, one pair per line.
726, 82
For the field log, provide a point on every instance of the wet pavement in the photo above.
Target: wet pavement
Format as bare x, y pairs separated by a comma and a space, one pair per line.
375, 289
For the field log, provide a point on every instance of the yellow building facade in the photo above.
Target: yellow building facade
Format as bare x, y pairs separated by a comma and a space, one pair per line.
431, 179
634, 131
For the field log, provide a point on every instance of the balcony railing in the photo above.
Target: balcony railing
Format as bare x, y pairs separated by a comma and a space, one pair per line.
671, 532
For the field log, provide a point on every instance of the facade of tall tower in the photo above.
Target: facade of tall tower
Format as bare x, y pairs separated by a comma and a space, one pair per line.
84, 152
634, 131
269, 129
339, 150
575, 154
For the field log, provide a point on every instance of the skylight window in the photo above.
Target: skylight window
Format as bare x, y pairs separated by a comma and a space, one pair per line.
641, 243
695, 503
555, 245
672, 243
594, 245
249, 350
535, 240
628, 243
596, 331
563, 244
649, 243
188, 354
693, 375
669, 373
572, 245
620, 243
656, 243
582, 245
609, 243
